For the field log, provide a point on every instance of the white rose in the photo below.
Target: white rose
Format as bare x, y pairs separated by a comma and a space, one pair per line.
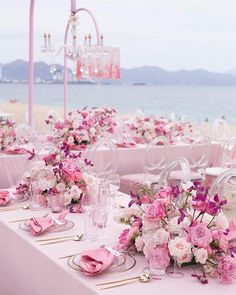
76, 124
60, 187
160, 236
221, 221
92, 130
181, 249
139, 244
75, 192
67, 198
43, 184
70, 139
201, 255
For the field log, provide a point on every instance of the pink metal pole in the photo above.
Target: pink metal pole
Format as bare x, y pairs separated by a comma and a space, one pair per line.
31, 64
73, 5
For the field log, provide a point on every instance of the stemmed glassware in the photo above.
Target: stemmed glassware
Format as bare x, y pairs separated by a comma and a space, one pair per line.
114, 183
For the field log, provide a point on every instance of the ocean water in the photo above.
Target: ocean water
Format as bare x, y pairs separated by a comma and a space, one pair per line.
194, 103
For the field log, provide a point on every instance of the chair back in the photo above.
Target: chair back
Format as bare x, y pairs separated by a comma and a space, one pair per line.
185, 171
25, 134
225, 186
199, 154
152, 160
221, 130
228, 155
103, 156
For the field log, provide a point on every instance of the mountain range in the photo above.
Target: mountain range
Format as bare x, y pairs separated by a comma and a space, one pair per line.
145, 75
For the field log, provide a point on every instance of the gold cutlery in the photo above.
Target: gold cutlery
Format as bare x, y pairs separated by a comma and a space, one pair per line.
6, 209
55, 238
76, 238
25, 219
144, 278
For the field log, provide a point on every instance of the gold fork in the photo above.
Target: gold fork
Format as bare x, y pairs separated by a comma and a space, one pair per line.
24, 219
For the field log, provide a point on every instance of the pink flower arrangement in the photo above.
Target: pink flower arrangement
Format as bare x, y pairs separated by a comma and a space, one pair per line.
145, 128
83, 127
174, 219
58, 173
7, 134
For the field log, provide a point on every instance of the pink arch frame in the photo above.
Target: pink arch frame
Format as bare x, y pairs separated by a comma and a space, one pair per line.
31, 56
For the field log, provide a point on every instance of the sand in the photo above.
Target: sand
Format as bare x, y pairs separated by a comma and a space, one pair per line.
19, 110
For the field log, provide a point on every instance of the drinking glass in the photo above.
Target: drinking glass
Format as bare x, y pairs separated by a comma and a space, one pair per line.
157, 260
34, 193
56, 202
114, 182
102, 205
175, 272
90, 217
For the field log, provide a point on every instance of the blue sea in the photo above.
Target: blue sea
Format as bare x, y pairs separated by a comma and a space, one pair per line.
194, 103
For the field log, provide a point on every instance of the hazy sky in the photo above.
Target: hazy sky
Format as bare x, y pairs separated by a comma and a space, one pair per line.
173, 34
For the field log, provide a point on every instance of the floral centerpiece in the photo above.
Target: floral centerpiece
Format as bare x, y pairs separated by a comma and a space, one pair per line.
60, 172
83, 127
146, 128
7, 134
187, 225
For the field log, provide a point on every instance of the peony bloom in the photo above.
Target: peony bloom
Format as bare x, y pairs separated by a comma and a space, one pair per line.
227, 269
69, 167
155, 211
180, 249
200, 255
200, 235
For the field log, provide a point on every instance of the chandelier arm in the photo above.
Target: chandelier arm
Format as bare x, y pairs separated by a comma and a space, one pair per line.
65, 76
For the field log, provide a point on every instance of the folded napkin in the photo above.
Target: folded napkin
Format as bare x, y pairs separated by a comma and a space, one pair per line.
125, 144
38, 225
95, 261
4, 197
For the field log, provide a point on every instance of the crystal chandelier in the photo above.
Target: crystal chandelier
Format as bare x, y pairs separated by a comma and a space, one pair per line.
90, 60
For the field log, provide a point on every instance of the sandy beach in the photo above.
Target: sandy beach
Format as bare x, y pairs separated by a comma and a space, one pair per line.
19, 110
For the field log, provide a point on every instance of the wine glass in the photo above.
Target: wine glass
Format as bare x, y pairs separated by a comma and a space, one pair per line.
114, 182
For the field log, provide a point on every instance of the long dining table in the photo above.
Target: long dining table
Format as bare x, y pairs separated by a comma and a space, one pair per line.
130, 160
27, 268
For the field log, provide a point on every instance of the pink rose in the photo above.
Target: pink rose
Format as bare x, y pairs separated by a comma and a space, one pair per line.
164, 195
69, 167
124, 241
200, 235
227, 269
155, 211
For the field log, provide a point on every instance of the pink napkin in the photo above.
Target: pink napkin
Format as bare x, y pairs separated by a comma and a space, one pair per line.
125, 144
38, 225
95, 261
4, 197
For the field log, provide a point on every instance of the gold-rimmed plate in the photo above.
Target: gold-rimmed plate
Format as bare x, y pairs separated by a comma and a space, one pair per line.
121, 263
64, 225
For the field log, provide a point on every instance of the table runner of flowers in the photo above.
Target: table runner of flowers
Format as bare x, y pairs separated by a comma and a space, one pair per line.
185, 224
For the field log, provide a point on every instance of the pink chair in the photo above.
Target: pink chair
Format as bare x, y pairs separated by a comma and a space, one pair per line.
198, 157
153, 165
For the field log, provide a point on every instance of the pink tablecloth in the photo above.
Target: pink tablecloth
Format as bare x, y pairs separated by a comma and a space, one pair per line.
30, 269
12, 167
130, 160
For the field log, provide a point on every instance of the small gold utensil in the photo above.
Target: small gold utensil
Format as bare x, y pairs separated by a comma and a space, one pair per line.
76, 238
144, 278
56, 238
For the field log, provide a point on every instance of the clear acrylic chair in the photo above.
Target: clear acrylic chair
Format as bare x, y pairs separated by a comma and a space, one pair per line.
104, 158
25, 134
221, 130
165, 176
225, 186
198, 157
227, 159
154, 163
